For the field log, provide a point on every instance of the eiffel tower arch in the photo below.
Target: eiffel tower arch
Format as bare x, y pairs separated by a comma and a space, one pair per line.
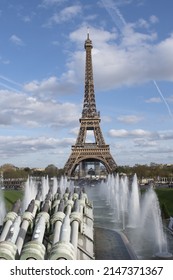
84, 153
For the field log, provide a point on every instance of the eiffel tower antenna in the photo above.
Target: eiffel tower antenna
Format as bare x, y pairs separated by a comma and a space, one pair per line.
88, 32
84, 153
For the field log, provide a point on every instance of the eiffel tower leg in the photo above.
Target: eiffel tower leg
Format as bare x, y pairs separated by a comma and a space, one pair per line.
80, 170
85, 168
97, 168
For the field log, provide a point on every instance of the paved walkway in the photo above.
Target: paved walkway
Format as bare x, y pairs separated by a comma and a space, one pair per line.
111, 245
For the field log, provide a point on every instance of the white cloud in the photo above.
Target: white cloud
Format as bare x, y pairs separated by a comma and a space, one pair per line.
145, 143
140, 136
49, 85
99, 37
19, 109
154, 100
25, 110
4, 61
125, 2
133, 133
143, 23
66, 14
154, 19
106, 119
170, 99
129, 119
142, 147
74, 131
23, 145
16, 40
166, 135
26, 18
52, 2
52, 86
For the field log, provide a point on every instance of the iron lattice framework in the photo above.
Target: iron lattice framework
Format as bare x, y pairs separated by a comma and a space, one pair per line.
90, 120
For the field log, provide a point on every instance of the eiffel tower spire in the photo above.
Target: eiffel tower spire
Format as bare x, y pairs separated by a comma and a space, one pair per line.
83, 152
89, 105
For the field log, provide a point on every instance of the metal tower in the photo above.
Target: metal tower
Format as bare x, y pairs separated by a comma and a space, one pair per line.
83, 152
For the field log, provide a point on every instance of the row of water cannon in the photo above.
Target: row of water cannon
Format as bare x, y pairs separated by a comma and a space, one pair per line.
58, 227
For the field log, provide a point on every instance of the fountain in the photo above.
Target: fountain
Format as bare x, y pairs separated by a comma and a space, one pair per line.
151, 219
134, 204
2, 202
45, 187
137, 215
29, 193
124, 196
2, 207
63, 183
55, 186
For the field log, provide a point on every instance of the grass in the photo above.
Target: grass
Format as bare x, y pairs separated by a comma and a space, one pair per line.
165, 197
11, 196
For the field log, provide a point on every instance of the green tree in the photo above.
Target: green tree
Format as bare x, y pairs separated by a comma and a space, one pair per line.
51, 170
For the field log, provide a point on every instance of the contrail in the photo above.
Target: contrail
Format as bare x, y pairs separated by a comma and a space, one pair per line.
10, 88
159, 91
10, 82
115, 13
111, 7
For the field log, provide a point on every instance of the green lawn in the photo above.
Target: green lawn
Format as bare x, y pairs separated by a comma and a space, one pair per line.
11, 196
165, 197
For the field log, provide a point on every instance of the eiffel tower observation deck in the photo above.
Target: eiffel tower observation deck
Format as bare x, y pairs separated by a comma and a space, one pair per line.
87, 157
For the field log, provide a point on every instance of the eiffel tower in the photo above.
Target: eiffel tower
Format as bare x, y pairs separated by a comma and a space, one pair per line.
82, 152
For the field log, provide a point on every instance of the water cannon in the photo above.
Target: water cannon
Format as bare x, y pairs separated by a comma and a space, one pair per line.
10, 218
35, 248
56, 222
56, 202
75, 194
38, 195
63, 249
76, 220
58, 190
8, 248
27, 219
66, 194
69, 205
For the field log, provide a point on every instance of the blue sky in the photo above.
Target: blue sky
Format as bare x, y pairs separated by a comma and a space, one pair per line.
42, 62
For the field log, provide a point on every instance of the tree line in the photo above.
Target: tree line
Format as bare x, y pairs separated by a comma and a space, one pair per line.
153, 170
10, 171
148, 171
